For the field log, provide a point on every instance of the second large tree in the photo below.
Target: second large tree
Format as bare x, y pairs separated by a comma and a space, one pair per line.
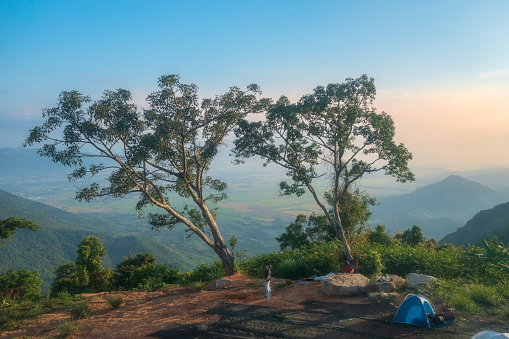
333, 132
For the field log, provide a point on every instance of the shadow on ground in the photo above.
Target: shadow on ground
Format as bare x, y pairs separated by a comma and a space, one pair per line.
317, 320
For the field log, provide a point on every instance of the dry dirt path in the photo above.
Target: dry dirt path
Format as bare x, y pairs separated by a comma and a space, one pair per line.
240, 311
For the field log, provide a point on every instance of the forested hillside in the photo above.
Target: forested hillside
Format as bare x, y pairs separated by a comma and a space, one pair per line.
56, 242
485, 224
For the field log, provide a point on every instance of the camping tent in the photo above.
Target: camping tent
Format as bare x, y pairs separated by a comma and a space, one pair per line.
490, 335
414, 311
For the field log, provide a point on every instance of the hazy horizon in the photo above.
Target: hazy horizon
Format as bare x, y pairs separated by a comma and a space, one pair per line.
444, 82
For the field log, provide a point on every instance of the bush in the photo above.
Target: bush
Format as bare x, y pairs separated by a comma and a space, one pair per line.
20, 284
115, 302
81, 311
67, 328
294, 264
205, 273
144, 273
66, 280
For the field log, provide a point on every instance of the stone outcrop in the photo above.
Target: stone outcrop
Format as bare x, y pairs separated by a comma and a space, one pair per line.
218, 284
419, 281
395, 283
344, 284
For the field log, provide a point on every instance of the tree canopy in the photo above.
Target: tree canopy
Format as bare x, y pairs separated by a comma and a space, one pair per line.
333, 132
8, 226
167, 148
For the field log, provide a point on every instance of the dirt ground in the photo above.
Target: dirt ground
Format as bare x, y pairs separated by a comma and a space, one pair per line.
240, 311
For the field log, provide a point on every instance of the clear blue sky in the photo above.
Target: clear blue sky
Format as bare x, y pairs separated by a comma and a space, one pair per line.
441, 67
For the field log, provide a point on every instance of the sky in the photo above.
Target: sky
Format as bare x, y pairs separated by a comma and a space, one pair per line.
441, 68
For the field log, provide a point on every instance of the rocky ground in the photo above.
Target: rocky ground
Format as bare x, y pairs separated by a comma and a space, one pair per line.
240, 311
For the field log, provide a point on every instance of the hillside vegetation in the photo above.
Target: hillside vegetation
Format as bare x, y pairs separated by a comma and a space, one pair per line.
493, 222
55, 243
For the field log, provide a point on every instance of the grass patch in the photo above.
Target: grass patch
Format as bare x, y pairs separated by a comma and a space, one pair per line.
67, 328
15, 314
81, 311
115, 302
284, 284
475, 298
307, 302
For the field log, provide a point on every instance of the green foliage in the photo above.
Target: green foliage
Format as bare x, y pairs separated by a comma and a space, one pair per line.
87, 273
166, 148
379, 236
411, 237
335, 126
354, 214
19, 311
372, 263
307, 302
8, 226
81, 310
20, 284
473, 297
133, 267
294, 235
115, 302
205, 273
66, 280
495, 253
89, 270
67, 328
294, 264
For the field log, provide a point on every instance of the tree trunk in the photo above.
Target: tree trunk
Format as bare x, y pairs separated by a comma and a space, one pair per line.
346, 246
226, 258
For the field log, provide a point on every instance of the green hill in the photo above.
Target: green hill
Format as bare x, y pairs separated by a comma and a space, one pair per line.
56, 243
485, 224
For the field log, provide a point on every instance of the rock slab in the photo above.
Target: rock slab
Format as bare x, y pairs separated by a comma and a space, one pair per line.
419, 281
344, 284
395, 283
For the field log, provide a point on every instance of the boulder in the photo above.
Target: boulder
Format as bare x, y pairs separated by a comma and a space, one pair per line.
223, 283
395, 283
218, 284
344, 284
419, 281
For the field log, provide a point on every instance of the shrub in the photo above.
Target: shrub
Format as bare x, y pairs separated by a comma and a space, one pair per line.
66, 280
19, 284
294, 264
205, 273
67, 328
371, 263
141, 272
115, 302
81, 311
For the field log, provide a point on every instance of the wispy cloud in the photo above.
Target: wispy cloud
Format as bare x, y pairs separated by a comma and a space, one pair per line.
494, 74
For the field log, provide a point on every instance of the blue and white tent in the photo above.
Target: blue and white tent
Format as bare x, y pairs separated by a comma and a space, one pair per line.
414, 311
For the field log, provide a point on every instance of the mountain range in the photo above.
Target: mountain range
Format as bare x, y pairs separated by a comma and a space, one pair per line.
439, 208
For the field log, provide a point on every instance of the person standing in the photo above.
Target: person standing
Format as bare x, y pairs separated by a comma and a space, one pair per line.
267, 281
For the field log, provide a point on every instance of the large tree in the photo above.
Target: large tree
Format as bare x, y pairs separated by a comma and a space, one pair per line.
166, 148
333, 132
